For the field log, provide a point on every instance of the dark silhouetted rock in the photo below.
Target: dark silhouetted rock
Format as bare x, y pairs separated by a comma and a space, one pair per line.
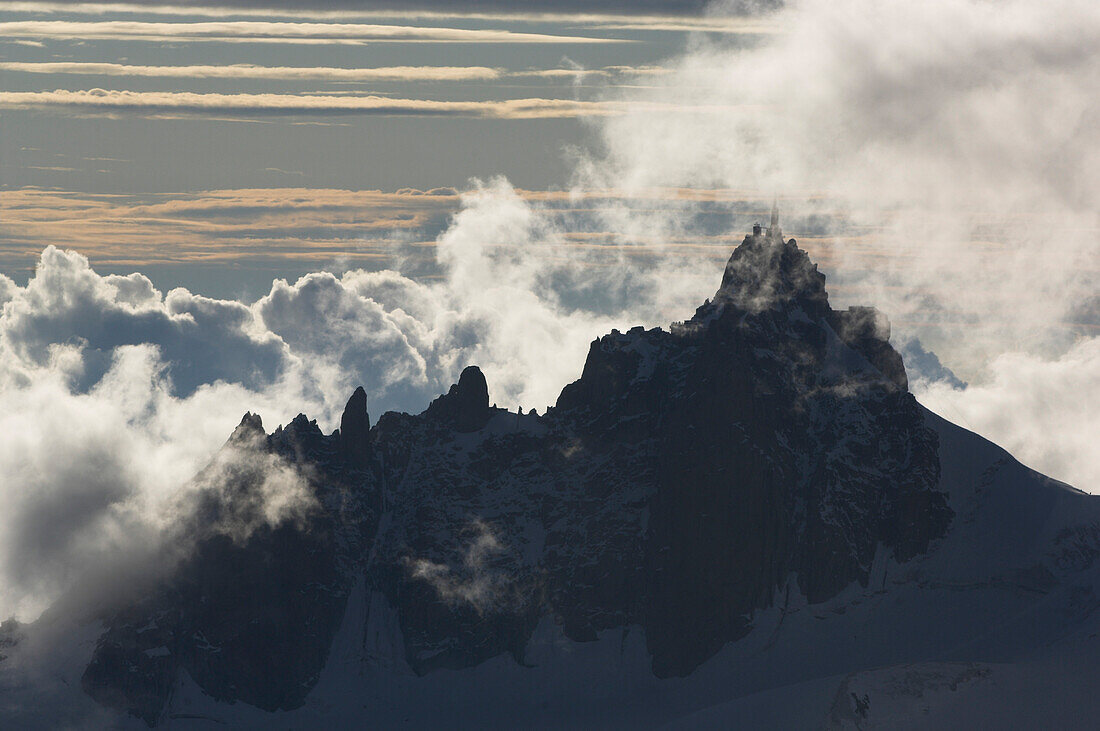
688, 480
466, 404
355, 428
251, 427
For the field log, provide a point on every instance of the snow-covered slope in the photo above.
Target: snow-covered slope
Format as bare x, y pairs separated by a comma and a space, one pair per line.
746, 519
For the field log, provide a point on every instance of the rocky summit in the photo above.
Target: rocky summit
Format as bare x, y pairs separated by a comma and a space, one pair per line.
748, 500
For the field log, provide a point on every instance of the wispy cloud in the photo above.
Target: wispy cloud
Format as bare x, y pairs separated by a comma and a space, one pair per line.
314, 224
52, 168
249, 31
280, 171
581, 72
733, 26
105, 101
249, 71
716, 22
318, 224
220, 225
320, 73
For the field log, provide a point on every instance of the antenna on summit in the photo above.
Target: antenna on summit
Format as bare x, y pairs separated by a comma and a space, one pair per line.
773, 229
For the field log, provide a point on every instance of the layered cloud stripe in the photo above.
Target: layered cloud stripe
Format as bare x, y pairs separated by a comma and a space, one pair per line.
104, 100
386, 73
267, 32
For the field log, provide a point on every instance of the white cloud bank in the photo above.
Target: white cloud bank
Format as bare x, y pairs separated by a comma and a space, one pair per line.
1043, 411
114, 394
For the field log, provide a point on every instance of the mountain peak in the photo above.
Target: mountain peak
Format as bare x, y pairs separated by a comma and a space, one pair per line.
466, 404
251, 426
765, 272
355, 426
748, 487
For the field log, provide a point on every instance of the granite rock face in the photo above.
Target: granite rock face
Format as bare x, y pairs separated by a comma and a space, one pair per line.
687, 480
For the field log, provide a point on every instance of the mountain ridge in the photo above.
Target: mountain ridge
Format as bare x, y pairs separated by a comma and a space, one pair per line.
706, 485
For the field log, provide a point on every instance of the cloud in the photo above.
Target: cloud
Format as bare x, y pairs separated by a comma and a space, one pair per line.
732, 26
318, 227
67, 304
321, 73
575, 12
950, 177
478, 578
254, 31
510, 287
321, 316
243, 489
960, 167
113, 396
1042, 410
248, 71
8, 289
116, 394
968, 156
168, 102
924, 367
95, 480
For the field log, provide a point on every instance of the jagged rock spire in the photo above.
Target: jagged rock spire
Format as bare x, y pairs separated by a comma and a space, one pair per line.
251, 426
765, 271
774, 233
355, 427
466, 404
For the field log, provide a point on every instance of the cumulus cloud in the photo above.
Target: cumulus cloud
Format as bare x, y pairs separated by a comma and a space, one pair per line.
113, 396
7, 289
117, 394
511, 290
94, 479
321, 316
67, 304
1042, 410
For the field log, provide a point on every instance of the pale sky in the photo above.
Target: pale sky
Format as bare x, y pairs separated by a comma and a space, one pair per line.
99, 100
